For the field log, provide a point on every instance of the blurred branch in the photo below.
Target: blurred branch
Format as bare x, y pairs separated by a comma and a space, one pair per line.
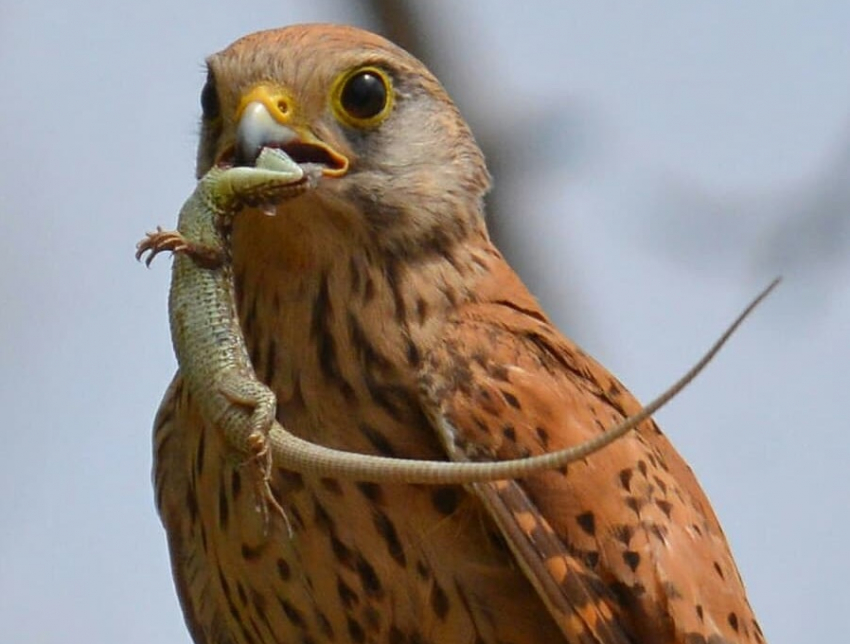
815, 232
400, 23
793, 230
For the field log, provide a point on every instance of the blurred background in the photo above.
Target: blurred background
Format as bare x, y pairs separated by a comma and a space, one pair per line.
656, 165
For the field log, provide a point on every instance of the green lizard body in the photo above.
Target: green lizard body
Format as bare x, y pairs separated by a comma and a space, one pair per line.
215, 364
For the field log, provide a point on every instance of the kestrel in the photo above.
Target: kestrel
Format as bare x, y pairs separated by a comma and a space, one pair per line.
378, 311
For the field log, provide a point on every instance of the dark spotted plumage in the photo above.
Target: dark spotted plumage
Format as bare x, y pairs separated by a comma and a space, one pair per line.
375, 307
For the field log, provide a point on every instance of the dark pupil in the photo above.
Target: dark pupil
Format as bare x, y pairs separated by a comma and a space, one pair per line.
209, 100
364, 95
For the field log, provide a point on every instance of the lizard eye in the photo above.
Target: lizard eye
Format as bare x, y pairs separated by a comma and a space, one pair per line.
363, 97
209, 99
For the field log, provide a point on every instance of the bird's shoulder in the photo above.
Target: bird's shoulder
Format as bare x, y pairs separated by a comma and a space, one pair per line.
622, 541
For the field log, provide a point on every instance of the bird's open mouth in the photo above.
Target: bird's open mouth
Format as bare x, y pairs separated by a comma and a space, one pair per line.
308, 153
258, 127
329, 162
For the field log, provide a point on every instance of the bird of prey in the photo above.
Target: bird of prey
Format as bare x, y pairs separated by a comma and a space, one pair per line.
376, 307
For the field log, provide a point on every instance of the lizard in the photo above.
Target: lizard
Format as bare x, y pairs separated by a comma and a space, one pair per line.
215, 364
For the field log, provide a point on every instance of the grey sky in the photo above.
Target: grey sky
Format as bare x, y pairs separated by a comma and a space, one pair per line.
733, 106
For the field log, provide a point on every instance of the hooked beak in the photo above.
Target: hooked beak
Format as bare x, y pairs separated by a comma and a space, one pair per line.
264, 120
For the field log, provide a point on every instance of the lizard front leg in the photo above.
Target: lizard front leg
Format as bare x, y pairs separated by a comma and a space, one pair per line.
175, 242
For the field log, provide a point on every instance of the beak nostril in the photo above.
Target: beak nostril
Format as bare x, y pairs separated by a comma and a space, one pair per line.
283, 107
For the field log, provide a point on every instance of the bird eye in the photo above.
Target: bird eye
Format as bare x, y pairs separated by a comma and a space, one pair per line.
364, 95
209, 99
363, 98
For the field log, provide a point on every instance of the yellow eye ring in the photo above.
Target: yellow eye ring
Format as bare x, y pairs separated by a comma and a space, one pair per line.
362, 97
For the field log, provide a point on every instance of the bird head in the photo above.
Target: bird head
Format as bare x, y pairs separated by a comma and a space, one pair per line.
396, 163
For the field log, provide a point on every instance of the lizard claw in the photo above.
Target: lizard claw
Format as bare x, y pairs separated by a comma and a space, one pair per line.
261, 456
158, 241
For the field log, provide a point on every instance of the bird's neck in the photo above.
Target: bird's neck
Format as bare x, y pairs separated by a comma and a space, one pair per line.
340, 325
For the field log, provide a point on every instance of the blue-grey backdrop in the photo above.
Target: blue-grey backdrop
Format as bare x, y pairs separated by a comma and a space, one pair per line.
667, 160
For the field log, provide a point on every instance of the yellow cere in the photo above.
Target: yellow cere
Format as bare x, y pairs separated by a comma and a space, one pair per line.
277, 101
